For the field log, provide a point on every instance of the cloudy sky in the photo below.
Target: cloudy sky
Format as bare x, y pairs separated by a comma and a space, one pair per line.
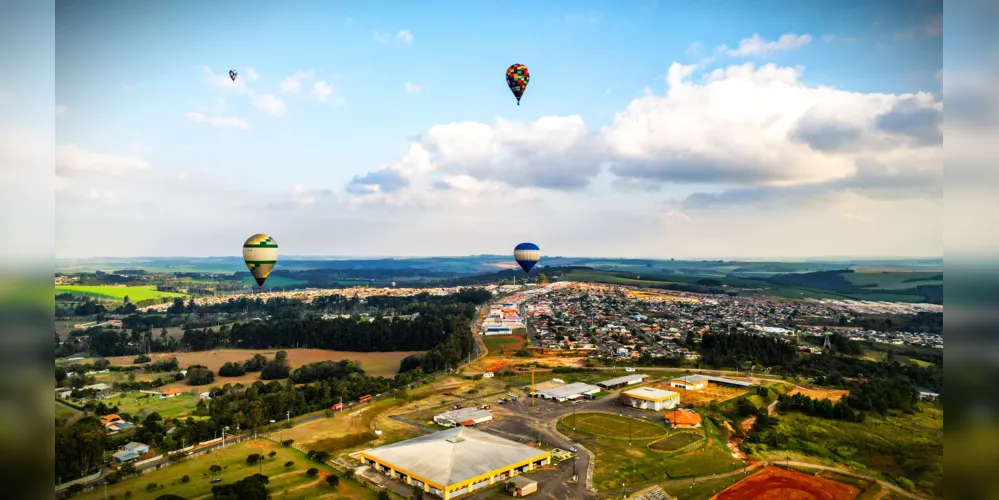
649, 129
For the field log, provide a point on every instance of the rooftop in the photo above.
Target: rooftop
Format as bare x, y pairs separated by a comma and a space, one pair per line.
568, 390
650, 393
694, 379
464, 414
452, 456
623, 380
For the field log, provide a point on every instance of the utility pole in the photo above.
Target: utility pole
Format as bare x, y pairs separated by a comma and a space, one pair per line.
532, 387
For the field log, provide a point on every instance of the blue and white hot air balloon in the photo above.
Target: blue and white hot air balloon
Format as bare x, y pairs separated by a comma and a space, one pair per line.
527, 255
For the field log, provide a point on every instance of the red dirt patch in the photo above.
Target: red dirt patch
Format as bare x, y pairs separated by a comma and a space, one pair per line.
774, 483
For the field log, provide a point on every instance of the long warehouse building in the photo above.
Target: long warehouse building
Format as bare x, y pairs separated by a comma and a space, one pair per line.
454, 462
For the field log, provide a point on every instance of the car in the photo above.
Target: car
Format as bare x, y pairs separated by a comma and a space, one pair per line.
573, 449
217, 480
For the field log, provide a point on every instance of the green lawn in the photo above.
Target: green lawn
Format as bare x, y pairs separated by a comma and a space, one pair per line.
634, 464
285, 482
167, 408
909, 446
705, 490
614, 426
134, 293
496, 344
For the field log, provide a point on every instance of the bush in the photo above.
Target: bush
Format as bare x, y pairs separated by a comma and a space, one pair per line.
289, 463
142, 358
271, 454
384, 495
215, 468
905, 483
333, 480
128, 494
312, 471
254, 458
151, 486
321, 456
199, 375
232, 369
287, 442
349, 473
185, 479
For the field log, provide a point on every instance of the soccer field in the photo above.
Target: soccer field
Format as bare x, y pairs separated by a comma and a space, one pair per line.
614, 426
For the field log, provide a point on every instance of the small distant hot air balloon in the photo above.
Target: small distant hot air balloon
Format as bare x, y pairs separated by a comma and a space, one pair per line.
393, 284
232, 74
371, 282
527, 255
517, 78
638, 277
260, 253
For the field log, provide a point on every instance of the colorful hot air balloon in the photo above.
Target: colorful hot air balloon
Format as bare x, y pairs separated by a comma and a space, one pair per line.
260, 253
527, 255
517, 78
393, 284
232, 74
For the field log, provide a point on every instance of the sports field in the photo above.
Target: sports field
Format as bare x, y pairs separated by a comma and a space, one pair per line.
285, 482
134, 293
614, 426
500, 345
774, 483
711, 393
385, 364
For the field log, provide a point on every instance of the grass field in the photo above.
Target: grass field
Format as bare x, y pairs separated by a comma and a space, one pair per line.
620, 462
710, 393
774, 483
285, 482
274, 281
909, 446
374, 363
134, 404
676, 441
702, 490
134, 293
500, 345
613, 426
894, 280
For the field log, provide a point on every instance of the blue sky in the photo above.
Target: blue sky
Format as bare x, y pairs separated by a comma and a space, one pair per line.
152, 142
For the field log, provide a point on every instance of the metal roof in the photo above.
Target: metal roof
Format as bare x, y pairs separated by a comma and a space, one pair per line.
651, 394
730, 381
455, 455
465, 414
622, 380
693, 379
569, 390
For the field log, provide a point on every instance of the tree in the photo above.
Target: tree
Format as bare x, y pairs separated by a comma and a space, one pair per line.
333, 480
417, 494
349, 473
232, 369
287, 442
215, 468
384, 495
253, 458
312, 471
185, 479
289, 463
199, 375
167, 496
249, 488
271, 454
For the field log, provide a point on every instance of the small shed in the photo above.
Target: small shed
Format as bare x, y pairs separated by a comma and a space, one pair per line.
521, 486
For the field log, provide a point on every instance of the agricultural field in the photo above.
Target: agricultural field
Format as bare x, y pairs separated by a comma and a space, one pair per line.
500, 345
385, 364
285, 482
117, 293
894, 280
636, 463
820, 393
711, 393
774, 483
135, 404
909, 446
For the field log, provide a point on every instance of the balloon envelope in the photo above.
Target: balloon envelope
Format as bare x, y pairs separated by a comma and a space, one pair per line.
527, 255
232, 74
260, 253
517, 78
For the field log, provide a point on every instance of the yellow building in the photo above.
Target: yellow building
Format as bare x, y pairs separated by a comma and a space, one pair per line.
454, 462
648, 398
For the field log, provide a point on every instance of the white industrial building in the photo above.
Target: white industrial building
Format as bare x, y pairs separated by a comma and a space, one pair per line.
463, 417
619, 381
649, 398
569, 392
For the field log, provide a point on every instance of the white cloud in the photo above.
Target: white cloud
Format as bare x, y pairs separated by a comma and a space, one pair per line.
217, 121
103, 196
268, 104
293, 84
72, 160
757, 46
606, 93
61, 109
322, 91
694, 49
380, 37
250, 75
348, 20
404, 36
412, 88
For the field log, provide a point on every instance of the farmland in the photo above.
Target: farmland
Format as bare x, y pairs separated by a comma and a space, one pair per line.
274, 281
117, 293
772, 483
145, 404
285, 482
712, 393
820, 393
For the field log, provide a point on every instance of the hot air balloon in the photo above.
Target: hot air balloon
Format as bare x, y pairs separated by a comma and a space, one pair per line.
517, 78
260, 253
527, 255
393, 284
232, 74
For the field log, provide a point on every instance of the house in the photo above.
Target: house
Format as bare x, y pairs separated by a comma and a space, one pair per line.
130, 452
690, 382
205, 395
683, 419
169, 393
521, 485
